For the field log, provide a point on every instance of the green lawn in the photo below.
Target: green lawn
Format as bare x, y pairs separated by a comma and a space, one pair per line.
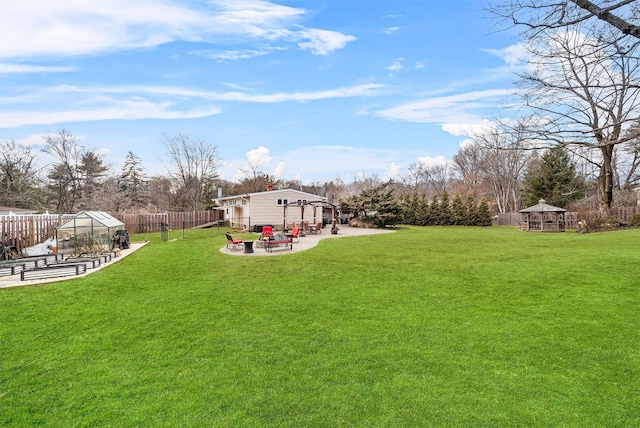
472, 327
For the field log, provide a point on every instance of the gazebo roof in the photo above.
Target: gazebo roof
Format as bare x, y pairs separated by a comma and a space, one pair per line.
543, 207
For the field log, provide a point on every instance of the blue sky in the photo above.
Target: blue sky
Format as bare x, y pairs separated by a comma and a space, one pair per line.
307, 90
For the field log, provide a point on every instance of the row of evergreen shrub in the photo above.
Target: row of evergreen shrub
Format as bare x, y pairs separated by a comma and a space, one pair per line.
419, 210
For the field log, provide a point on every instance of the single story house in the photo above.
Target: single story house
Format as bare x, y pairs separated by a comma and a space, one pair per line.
278, 208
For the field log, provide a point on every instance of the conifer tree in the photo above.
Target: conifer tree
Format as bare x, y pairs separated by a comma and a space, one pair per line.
553, 177
458, 212
483, 215
445, 209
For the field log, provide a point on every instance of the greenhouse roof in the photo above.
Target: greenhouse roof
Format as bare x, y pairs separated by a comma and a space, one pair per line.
101, 217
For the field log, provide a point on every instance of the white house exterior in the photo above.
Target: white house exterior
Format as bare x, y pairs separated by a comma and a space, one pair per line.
272, 207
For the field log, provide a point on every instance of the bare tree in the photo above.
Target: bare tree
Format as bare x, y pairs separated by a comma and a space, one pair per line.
18, 176
64, 176
428, 178
161, 195
632, 159
504, 158
194, 169
415, 176
541, 15
582, 92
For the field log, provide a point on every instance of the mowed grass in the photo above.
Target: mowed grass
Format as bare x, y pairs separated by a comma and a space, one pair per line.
432, 326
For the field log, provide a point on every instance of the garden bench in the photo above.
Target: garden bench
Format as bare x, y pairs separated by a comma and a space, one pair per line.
11, 269
278, 240
53, 271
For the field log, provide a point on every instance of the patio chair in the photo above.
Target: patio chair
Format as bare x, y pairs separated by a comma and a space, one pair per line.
267, 232
233, 243
294, 234
319, 227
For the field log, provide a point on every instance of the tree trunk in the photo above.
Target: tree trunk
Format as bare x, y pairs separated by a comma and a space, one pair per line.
605, 180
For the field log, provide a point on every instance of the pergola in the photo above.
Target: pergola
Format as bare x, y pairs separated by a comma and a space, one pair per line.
315, 204
543, 218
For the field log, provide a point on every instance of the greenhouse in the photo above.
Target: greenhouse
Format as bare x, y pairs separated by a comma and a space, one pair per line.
89, 230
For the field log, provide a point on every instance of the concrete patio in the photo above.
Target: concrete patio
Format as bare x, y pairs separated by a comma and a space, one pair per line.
305, 242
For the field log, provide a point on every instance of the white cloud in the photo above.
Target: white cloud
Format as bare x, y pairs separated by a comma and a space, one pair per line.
513, 55
464, 129
396, 66
393, 171
418, 65
231, 55
236, 55
124, 110
429, 161
456, 113
390, 30
258, 157
279, 169
7, 68
323, 42
142, 102
35, 28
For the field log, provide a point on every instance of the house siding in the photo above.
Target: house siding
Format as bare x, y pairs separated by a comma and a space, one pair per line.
262, 208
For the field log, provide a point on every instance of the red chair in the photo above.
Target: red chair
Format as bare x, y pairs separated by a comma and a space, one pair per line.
294, 234
233, 243
267, 231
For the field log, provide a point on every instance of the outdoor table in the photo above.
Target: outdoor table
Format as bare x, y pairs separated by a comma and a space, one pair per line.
248, 247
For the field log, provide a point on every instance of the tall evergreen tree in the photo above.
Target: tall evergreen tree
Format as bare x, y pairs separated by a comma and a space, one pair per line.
445, 209
92, 172
457, 211
553, 177
134, 183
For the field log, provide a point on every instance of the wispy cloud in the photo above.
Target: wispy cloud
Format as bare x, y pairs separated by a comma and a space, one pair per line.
390, 30
7, 68
457, 113
34, 28
126, 110
144, 102
396, 66
323, 42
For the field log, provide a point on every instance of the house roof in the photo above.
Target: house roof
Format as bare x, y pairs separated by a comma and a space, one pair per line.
542, 206
272, 192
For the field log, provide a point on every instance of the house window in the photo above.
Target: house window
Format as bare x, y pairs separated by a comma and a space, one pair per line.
281, 202
244, 202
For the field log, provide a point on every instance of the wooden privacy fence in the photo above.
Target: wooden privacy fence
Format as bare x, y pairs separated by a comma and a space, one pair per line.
149, 223
571, 218
24, 231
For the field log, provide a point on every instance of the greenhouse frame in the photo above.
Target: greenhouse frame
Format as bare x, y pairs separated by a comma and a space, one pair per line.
89, 229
